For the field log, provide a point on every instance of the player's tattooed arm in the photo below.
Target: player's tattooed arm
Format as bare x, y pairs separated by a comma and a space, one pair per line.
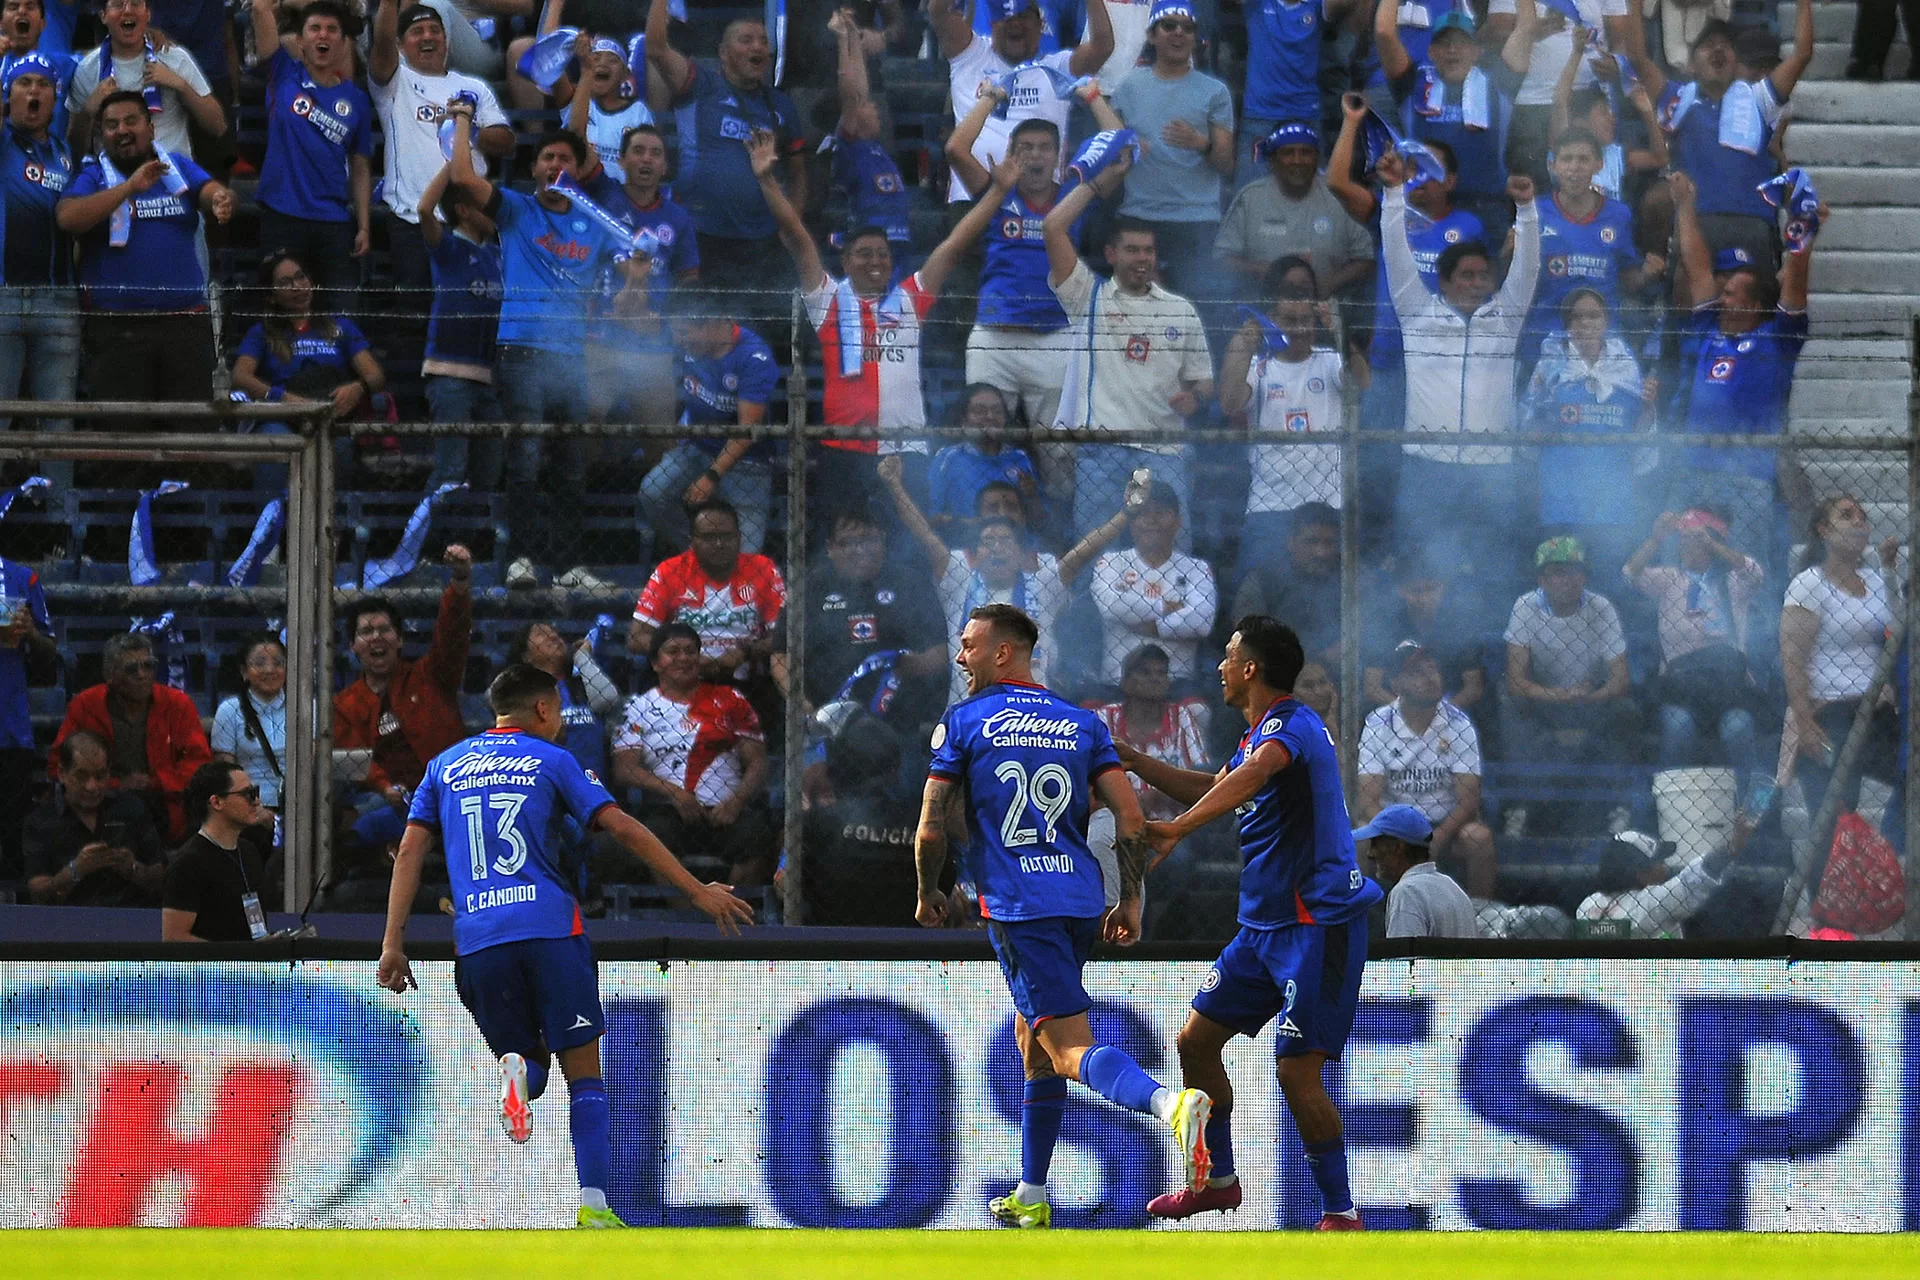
930, 851
1130, 845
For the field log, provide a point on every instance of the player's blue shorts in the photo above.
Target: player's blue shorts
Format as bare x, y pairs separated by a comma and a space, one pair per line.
539, 993
1307, 975
1042, 960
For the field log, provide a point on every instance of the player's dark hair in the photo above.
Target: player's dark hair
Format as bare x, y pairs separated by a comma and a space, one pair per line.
518, 687
71, 745
1312, 515
1274, 648
365, 605
1126, 226
1456, 254
865, 231
668, 633
1009, 623
561, 138
1579, 136
1034, 125
714, 505
998, 486
1283, 266
348, 20
211, 779
844, 518
626, 135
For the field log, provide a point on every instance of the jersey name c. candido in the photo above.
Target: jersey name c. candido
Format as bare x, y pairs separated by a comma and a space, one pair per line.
1026, 759
1296, 842
497, 801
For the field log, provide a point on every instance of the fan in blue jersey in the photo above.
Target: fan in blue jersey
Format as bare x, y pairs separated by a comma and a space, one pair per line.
1024, 764
497, 803
863, 168
1586, 241
1303, 915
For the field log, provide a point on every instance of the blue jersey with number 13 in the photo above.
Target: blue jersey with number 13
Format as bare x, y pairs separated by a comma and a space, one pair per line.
1027, 759
497, 801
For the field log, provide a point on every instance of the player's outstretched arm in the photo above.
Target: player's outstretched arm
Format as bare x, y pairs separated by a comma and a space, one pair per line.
716, 900
396, 974
1122, 924
1240, 785
1184, 786
930, 852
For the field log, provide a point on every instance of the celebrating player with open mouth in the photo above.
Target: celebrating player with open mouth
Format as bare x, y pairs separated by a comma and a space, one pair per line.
1024, 763
1303, 915
525, 971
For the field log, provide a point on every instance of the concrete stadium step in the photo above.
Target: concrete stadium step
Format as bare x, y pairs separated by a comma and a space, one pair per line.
1869, 477
1854, 359
1847, 188
1854, 315
1856, 272
1847, 102
1869, 229
1865, 146
1839, 398
1830, 61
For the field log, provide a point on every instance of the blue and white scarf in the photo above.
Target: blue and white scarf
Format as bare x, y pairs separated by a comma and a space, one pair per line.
1476, 97
378, 573
266, 536
890, 310
142, 569
641, 241
1793, 191
1742, 127
32, 485
120, 223
1272, 340
151, 92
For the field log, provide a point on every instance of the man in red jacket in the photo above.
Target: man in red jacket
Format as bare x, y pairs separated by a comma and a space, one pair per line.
153, 735
407, 712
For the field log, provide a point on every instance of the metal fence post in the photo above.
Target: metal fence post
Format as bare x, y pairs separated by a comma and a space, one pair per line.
1350, 671
793, 890
1911, 775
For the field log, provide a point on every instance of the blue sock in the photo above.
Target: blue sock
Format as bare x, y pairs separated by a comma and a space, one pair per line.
1115, 1076
1328, 1161
536, 1079
1220, 1142
590, 1120
1041, 1111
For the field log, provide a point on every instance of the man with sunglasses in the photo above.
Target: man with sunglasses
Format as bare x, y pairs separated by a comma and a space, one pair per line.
153, 735
216, 885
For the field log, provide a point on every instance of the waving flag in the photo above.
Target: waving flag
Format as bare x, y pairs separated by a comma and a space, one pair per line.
34, 485
1793, 191
378, 573
1273, 342
141, 566
641, 242
266, 536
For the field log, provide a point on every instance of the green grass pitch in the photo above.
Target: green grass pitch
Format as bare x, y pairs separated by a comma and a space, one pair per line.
921, 1255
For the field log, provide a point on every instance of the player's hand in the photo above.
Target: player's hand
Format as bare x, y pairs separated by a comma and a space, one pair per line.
932, 911
396, 975
728, 910
1161, 838
1121, 927
1130, 757
962, 913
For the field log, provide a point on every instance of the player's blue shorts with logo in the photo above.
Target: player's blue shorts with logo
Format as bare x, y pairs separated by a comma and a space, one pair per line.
1306, 975
1042, 960
538, 993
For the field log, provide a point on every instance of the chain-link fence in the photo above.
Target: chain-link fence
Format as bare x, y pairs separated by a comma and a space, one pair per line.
1637, 678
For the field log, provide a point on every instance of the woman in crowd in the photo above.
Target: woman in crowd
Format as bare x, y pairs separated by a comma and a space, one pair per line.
250, 728
1832, 630
1703, 604
1587, 380
295, 356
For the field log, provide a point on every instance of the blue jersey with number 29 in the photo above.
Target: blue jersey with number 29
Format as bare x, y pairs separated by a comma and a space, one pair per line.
1296, 840
497, 802
1027, 759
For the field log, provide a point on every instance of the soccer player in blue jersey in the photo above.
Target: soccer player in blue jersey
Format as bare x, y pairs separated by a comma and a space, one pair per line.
497, 803
1303, 915
1024, 765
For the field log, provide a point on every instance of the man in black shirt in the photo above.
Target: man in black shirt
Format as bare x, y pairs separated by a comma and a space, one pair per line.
215, 885
90, 845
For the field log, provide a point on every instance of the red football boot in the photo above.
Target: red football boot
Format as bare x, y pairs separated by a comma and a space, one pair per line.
1186, 1202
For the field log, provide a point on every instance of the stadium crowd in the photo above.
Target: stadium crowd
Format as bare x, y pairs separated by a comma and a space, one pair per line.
1460, 222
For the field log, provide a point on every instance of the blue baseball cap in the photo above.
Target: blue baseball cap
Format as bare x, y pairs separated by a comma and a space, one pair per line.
1001, 10
1171, 9
1731, 258
1402, 822
1452, 20
1287, 133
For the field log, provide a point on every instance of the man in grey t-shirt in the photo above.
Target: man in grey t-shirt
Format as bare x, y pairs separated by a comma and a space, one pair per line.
1291, 211
1422, 900
1186, 120
1569, 695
